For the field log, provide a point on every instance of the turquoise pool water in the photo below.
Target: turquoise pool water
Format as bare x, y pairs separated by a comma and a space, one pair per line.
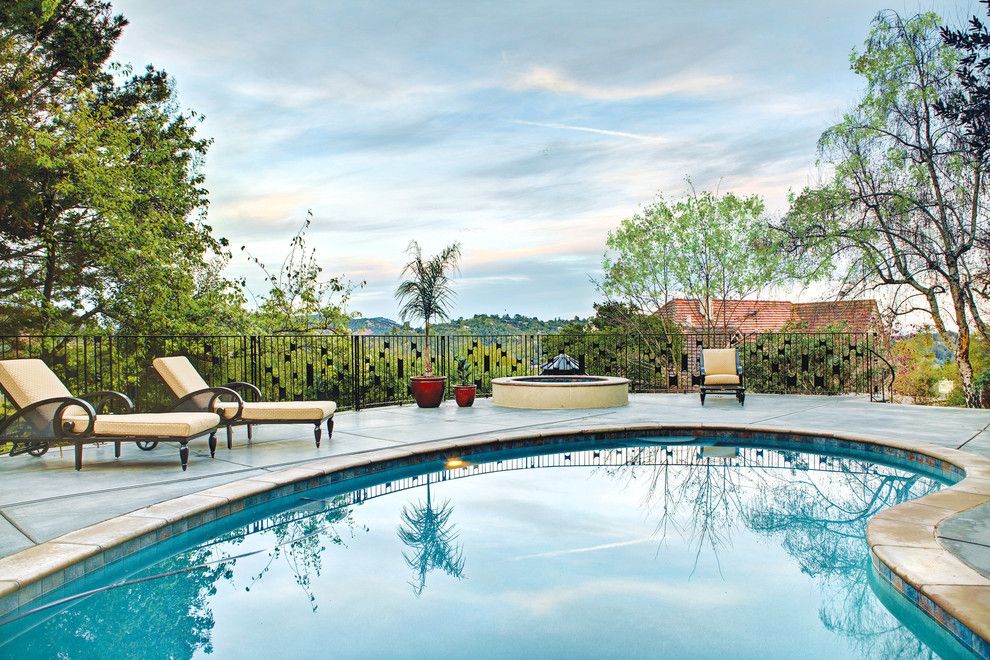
629, 550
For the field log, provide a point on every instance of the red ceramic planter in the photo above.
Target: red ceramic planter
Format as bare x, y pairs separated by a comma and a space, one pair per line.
428, 390
464, 395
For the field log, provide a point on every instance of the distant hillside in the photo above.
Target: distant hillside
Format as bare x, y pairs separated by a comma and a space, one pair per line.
479, 324
493, 324
377, 325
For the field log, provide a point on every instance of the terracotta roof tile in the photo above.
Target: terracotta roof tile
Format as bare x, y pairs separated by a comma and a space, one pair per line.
750, 316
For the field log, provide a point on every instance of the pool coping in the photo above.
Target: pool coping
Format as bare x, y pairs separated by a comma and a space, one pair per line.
904, 541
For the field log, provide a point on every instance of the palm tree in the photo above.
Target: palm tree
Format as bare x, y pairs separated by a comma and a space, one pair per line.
427, 293
425, 530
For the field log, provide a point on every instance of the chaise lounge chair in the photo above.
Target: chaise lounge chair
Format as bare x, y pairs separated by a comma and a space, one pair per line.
188, 386
48, 413
721, 373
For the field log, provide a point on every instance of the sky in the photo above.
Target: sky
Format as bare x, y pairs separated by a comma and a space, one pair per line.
524, 130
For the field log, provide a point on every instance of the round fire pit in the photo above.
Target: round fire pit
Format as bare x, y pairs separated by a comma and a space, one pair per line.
555, 392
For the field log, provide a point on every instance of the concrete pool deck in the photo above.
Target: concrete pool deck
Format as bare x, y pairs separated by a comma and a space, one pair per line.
45, 498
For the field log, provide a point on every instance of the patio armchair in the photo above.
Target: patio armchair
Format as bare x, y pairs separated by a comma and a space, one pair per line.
47, 413
721, 373
181, 377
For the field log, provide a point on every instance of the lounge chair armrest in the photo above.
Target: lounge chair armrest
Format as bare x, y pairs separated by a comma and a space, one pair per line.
103, 399
44, 419
241, 388
206, 400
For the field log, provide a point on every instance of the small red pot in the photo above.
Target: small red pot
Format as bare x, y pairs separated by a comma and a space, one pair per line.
428, 390
464, 395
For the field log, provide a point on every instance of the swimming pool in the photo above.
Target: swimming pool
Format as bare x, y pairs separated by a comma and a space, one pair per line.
639, 547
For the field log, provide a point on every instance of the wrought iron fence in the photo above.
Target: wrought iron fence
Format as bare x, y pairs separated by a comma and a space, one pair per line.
373, 370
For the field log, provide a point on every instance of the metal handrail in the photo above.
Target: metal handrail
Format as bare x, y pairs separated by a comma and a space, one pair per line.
893, 376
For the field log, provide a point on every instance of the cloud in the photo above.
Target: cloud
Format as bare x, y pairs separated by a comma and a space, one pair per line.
656, 139
546, 79
590, 548
547, 601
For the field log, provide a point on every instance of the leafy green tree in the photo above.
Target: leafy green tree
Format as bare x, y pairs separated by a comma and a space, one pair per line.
102, 218
907, 204
299, 299
968, 105
427, 294
705, 247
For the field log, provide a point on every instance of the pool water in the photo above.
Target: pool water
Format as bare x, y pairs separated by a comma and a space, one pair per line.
631, 550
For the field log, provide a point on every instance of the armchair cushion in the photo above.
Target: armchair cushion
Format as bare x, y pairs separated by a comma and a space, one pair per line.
719, 361
722, 379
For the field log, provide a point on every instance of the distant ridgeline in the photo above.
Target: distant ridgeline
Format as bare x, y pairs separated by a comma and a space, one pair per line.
479, 324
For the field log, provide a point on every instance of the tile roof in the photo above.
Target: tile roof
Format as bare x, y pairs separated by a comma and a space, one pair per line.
750, 316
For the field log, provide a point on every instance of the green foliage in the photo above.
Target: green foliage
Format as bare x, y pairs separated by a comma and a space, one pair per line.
969, 105
917, 370
102, 204
704, 247
299, 300
906, 207
428, 293
463, 370
493, 324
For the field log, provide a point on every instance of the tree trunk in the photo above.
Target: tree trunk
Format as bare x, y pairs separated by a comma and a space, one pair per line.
427, 365
962, 348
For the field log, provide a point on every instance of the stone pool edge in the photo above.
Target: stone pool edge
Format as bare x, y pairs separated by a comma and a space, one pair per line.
903, 540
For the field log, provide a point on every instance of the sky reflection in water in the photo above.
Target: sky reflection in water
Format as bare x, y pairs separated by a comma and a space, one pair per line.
636, 551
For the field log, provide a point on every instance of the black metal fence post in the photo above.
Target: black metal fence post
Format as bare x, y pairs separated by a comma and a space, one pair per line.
356, 349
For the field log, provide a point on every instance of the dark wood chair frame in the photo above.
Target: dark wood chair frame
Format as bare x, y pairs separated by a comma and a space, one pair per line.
44, 426
738, 390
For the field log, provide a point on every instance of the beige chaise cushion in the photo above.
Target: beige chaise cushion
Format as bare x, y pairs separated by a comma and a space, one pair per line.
148, 425
720, 366
30, 380
182, 378
179, 375
282, 411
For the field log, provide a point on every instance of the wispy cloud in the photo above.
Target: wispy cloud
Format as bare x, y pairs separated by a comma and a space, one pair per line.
547, 601
541, 78
590, 548
655, 139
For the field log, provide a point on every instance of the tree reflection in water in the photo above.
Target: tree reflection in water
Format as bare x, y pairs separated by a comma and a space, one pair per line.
173, 608
816, 507
301, 541
819, 514
426, 530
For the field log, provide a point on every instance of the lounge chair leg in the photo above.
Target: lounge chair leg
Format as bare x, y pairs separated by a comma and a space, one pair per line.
116, 449
330, 428
249, 431
184, 455
702, 397
230, 437
213, 444
78, 455
318, 432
